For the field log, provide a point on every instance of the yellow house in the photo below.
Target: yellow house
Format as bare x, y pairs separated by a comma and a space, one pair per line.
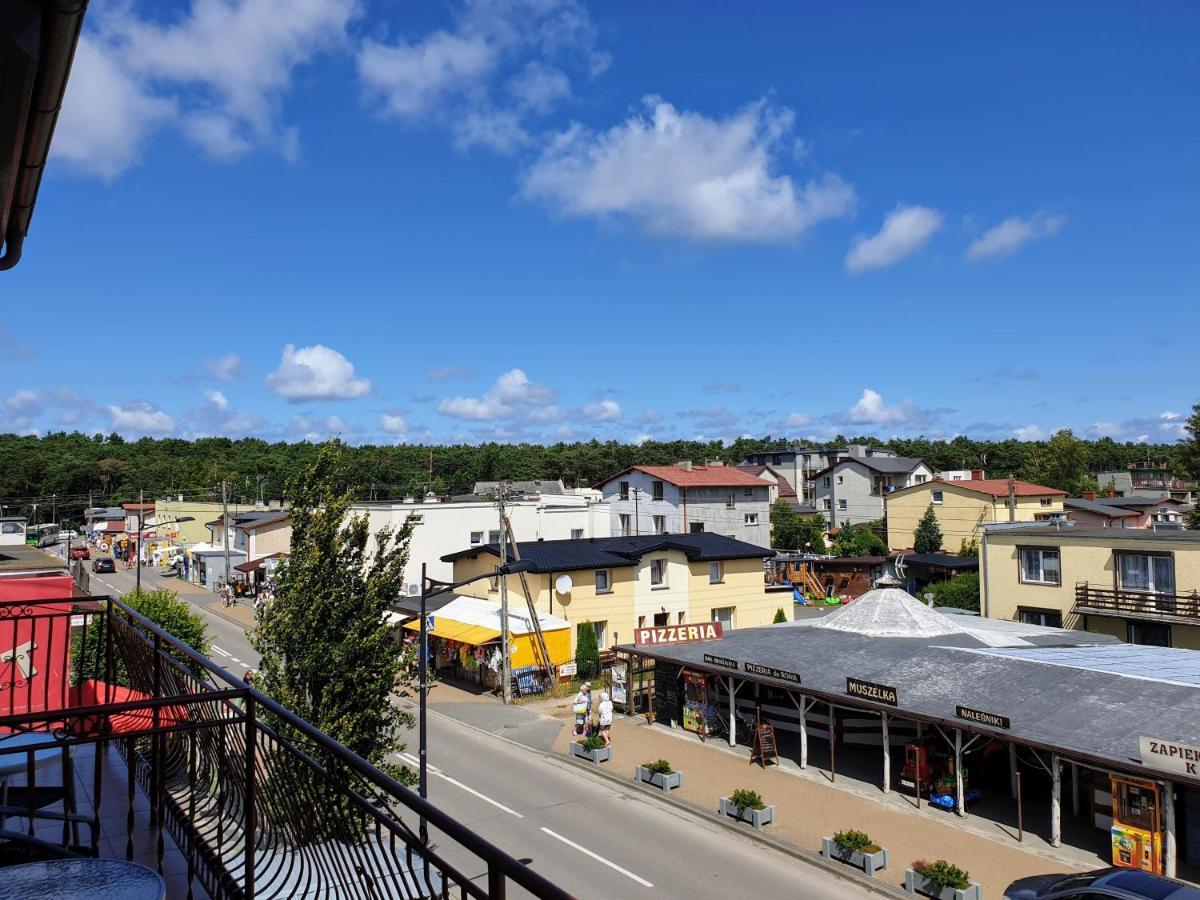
618, 584
963, 507
192, 532
1139, 585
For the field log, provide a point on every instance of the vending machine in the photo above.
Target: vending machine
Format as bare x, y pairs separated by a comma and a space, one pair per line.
695, 702
1137, 832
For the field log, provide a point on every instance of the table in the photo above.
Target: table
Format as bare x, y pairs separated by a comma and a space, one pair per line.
14, 758
94, 879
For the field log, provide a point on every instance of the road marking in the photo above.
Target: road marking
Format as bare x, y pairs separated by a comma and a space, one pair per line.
222, 652
597, 857
434, 770
236, 660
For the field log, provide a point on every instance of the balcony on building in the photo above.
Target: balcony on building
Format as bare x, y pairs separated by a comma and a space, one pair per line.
1138, 604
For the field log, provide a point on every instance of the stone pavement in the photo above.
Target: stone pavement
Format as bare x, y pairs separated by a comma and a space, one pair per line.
807, 806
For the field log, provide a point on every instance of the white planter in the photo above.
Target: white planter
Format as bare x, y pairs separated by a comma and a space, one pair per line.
868, 862
604, 754
915, 883
756, 817
665, 783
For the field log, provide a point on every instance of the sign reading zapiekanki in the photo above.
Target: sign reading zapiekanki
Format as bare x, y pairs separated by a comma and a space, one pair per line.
869, 690
980, 717
677, 634
1170, 756
723, 661
771, 672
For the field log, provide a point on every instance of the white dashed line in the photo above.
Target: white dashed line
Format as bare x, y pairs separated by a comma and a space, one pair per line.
222, 652
433, 770
597, 857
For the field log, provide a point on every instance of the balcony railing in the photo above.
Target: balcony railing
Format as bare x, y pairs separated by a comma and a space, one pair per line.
1140, 604
256, 800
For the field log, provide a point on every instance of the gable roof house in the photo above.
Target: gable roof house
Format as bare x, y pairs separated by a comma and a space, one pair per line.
853, 489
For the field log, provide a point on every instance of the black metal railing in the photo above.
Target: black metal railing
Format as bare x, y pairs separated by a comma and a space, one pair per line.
1146, 604
259, 802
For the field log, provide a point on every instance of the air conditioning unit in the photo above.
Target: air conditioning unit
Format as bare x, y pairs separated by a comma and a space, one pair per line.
412, 590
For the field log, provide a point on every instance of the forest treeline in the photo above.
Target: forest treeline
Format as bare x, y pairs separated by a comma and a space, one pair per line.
70, 470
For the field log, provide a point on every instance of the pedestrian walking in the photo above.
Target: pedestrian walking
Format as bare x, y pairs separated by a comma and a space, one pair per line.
606, 716
582, 707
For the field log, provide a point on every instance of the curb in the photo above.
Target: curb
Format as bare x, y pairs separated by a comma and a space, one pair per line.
811, 857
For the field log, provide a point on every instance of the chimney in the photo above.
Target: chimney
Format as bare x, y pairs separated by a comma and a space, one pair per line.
685, 464
1089, 495
714, 462
977, 474
1110, 492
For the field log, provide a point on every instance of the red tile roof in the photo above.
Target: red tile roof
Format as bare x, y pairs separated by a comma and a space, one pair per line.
786, 491
998, 487
699, 476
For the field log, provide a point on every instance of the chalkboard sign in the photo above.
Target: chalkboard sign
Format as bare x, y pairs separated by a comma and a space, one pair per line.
765, 750
667, 702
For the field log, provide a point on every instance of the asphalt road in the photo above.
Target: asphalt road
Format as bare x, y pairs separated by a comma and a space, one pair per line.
594, 838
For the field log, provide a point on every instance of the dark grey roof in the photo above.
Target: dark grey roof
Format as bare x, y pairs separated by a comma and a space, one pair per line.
615, 552
1100, 534
104, 512
411, 606
941, 560
1136, 501
14, 518
1109, 510
521, 487
884, 465
1087, 700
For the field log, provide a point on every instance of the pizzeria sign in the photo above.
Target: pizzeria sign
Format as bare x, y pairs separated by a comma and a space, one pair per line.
677, 634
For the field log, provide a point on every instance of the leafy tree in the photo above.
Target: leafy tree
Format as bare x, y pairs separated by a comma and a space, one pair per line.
792, 531
969, 547
1189, 445
327, 652
587, 652
1193, 518
928, 536
961, 591
1062, 463
858, 540
780, 616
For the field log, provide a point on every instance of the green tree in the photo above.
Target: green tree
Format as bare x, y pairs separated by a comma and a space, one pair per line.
327, 652
587, 651
928, 536
792, 531
780, 616
961, 591
857, 540
1062, 463
969, 547
1189, 444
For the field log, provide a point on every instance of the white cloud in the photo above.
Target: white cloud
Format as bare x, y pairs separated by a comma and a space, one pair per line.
640, 439
140, 419
413, 79
215, 416
682, 174
905, 231
1007, 237
603, 411
22, 407
392, 423
1029, 433
871, 409
512, 396
1168, 416
217, 73
798, 420
225, 368
316, 373
539, 87
449, 373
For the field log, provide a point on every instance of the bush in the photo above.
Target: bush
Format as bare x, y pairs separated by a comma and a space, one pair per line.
780, 616
595, 742
943, 874
587, 651
961, 591
744, 799
928, 536
855, 841
659, 767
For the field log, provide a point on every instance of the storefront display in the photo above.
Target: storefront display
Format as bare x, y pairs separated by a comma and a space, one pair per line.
695, 702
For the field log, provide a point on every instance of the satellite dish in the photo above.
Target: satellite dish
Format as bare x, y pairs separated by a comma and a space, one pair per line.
563, 584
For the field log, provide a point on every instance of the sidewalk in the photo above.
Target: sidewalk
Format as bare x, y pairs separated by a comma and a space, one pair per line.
807, 806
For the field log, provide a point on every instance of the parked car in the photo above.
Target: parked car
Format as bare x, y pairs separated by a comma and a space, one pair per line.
104, 564
81, 553
1103, 884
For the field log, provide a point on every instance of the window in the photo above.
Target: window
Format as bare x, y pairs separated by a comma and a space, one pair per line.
841, 505
493, 537
750, 519
624, 486
825, 481
696, 527
476, 537
680, 617
919, 479
1050, 618
776, 460
414, 518
658, 573
714, 573
1153, 634
12, 528
1047, 501
1146, 572
748, 492
730, 501
1040, 565
603, 584
726, 616
577, 534
660, 524
625, 525
937, 497
841, 479
641, 621
599, 628
826, 504
658, 490
661, 619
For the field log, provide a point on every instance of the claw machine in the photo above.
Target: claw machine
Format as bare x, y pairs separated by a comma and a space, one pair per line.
1137, 827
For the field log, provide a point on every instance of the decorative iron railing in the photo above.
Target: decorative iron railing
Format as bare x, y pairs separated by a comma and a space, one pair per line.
1144, 604
259, 802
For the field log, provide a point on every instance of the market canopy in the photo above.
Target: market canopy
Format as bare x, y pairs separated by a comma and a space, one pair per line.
474, 621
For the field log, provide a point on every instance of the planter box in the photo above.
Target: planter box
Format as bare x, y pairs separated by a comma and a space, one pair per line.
665, 783
756, 817
868, 862
915, 883
604, 754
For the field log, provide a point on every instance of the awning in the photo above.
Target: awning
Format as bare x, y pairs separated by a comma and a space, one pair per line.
257, 563
463, 632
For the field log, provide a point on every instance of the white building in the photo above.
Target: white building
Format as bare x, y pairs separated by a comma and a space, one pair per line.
686, 498
852, 489
444, 527
12, 530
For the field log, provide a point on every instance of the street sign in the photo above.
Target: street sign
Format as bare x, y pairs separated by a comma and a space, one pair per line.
429, 620
568, 669
1170, 756
980, 717
869, 690
771, 672
723, 661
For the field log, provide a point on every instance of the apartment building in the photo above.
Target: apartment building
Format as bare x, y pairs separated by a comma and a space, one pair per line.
798, 464
964, 507
853, 489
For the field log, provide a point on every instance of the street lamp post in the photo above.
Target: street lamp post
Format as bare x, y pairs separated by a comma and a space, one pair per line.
140, 536
511, 568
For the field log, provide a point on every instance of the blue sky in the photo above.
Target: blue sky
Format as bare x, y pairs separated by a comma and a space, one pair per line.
540, 219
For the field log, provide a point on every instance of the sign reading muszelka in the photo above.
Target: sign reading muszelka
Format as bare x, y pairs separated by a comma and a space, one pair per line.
677, 634
979, 717
771, 672
723, 661
1170, 756
869, 690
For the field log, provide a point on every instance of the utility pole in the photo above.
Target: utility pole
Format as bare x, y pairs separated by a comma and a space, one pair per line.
1012, 498
505, 650
225, 524
138, 546
54, 508
637, 519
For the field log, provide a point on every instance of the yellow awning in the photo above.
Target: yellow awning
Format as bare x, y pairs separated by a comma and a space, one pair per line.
449, 630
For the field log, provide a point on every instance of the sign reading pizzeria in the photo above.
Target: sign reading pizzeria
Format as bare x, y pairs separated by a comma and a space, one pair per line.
979, 717
677, 634
723, 661
1170, 756
869, 690
771, 672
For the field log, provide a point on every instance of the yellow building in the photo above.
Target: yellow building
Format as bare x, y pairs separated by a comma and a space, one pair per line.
963, 507
619, 584
202, 513
1139, 585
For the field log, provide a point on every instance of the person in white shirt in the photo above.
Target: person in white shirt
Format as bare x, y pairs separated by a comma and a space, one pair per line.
606, 717
582, 707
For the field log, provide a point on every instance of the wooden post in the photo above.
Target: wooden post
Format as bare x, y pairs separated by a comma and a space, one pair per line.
1014, 776
960, 803
1074, 789
803, 733
887, 755
732, 714
1020, 817
1168, 808
1055, 800
832, 746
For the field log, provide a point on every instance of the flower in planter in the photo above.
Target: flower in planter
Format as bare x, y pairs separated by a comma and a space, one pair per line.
942, 873
595, 742
658, 767
855, 841
744, 799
